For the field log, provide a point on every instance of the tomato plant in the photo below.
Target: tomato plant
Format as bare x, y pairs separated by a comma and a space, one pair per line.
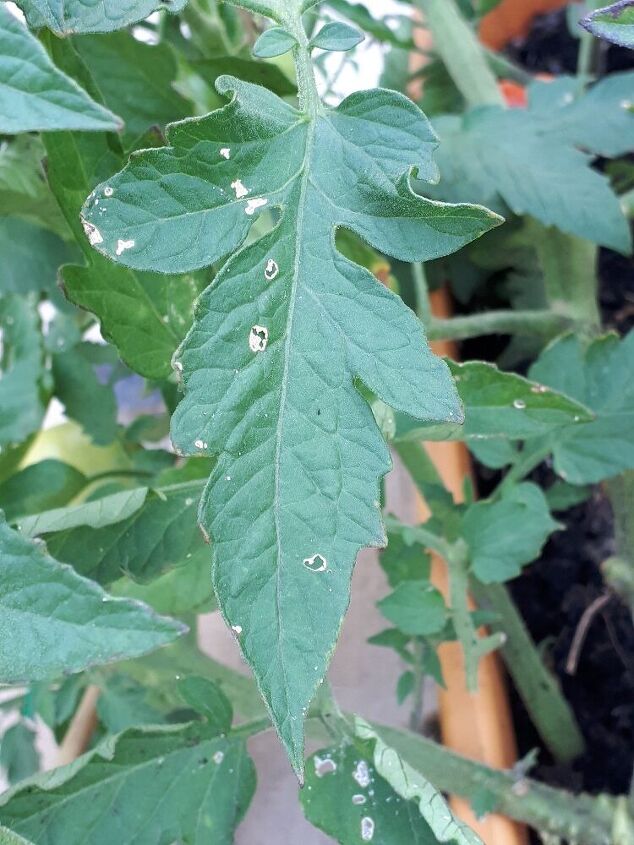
217, 271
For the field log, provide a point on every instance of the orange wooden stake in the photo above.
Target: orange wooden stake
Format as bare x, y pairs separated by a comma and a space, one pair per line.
477, 725
512, 19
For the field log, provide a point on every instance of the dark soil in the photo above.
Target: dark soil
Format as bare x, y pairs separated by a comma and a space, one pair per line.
552, 596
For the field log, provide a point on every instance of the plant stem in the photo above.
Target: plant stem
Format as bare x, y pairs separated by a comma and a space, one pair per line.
416, 716
542, 322
538, 688
569, 265
582, 819
423, 308
619, 571
461, 52
527, 461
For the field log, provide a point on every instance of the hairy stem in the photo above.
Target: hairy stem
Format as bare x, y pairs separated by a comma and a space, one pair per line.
582, 819
543, 323
549, 711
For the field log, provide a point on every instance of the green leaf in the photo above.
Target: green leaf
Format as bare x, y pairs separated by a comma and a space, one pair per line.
405, 686
599, 376
403, 562
96, 514
266, 74
34, 94
31, 256
209, 700
65, 17
412, 786
135, 80
85, 399
268, 366
145, 315
24, 191
55, 622
495, 454
561, 496
185, 589
144, 543
39, 487
18, 755
615, 23
21, 366
8, 837
377, 28
337, 36
274, 42
500, 156
498, 404
123, 704
416, 608
503, 536
144, 785
348, 800
600, 120
395, 639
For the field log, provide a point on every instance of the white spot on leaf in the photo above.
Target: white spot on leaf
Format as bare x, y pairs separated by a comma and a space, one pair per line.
239, 188
237, 629
225, 152
367, 829
107, 191
359, 799
123, 245
200, 444
324, 766
258, 338
253, 205
362, 774
271, 271
520, 404
92, 233
218, 757
316, 563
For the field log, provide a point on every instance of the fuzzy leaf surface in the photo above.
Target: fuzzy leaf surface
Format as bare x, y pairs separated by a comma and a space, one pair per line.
278, 339
141, 787
55, 622
65, 17
34, 94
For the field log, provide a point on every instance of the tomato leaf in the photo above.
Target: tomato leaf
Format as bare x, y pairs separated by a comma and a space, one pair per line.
158, 533
154, 784
34, 94
498, 404
278, 339
598, 375
614, 23
503, 536
337, 36
21, 366
55, 622
502, 158
65, 17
